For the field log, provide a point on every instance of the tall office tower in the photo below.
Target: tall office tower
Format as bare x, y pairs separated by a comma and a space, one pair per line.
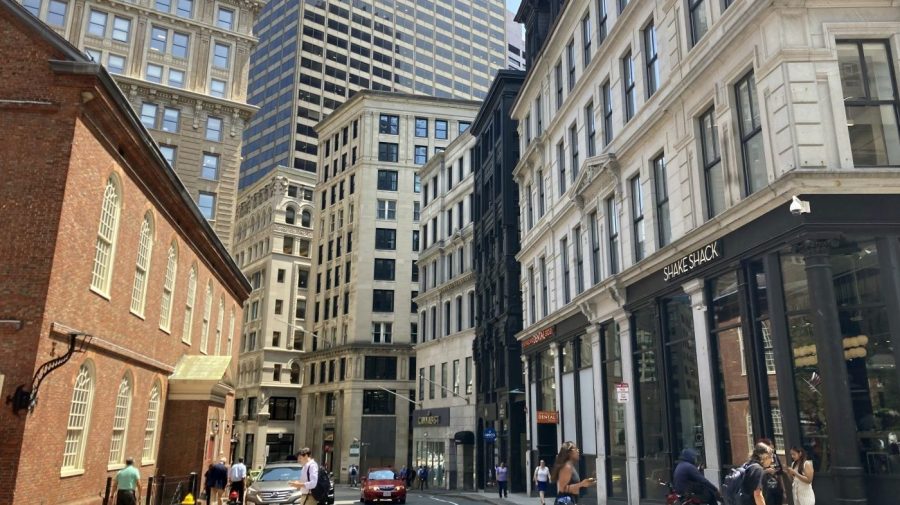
443, 425
314, 55
273, 233
183, 66
500, 403
360, 373
515, 43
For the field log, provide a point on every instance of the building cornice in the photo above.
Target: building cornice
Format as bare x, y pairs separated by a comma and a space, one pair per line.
452, 285
139, 87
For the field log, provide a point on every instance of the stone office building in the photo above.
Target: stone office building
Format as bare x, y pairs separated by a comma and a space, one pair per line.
662, 147
500, 408
443, 421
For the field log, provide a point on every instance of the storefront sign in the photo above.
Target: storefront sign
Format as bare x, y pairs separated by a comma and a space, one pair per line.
547, 417
622, 392
490, 435
354, 449
432, 417
706, 254
538, 337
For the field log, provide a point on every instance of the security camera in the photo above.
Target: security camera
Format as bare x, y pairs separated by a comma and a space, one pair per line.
799, 206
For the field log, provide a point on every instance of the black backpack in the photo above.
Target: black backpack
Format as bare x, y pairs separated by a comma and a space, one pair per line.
323, 485
733, 485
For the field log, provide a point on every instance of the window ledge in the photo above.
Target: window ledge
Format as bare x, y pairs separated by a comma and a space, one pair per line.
139, 316
101, 294
115, 467
167, 331
150, 462
71, 472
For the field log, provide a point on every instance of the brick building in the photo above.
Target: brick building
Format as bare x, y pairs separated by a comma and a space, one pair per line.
104, 251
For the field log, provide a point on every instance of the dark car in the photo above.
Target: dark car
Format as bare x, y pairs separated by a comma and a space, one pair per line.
271, 487
382, 484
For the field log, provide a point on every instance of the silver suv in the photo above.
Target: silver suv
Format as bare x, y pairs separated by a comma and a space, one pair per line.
272, 485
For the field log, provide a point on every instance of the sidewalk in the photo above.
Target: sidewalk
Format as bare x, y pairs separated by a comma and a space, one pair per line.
489, 496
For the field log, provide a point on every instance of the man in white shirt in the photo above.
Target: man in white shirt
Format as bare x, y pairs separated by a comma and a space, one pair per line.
309, 477
236, 475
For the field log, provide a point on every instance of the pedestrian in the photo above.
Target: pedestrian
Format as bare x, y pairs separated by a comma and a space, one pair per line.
218, 478
422, 475
802, 472
502, 476
236, 475
752, 492
687, 479
207, 483
773, 484
309, 477
568, 482
403, 472
354, 473
410, 475
542, 478
127, 484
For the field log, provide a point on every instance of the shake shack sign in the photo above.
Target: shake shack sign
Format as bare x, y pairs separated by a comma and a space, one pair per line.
690, 262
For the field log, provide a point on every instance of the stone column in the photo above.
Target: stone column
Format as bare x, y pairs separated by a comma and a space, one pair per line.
593, 333
623, 326
846, 466
529, 415
557, 378
705, 378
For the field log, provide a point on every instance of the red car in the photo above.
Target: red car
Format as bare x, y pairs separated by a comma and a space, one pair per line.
382, 484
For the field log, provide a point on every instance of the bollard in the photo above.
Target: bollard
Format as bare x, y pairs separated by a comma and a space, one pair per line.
194, 484
148, 500
188, 500
161, 489
108, 489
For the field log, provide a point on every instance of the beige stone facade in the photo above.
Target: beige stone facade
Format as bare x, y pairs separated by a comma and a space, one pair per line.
359, 368
183, 64
273, 236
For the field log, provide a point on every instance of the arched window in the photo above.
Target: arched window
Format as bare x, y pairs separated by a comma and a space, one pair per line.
120, 422
219, 325
230, 339
165, 311
79, 419
106, 237
207, 309
189, 306
141, 269
149, 453
295, 373
306, 219
290, 215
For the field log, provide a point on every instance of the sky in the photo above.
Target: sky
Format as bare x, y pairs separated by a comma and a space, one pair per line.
513, 5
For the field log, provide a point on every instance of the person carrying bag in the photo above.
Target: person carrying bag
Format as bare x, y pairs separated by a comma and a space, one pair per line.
568, 482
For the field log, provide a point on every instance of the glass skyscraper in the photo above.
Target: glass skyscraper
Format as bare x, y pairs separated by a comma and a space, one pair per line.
313, 55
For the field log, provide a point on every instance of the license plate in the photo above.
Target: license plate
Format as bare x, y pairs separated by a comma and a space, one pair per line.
386, 493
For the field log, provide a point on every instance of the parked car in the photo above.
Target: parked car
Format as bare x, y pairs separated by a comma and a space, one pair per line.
271, 487
382, 484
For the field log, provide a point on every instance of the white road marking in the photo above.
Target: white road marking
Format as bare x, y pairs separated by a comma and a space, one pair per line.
440, 500
345, 502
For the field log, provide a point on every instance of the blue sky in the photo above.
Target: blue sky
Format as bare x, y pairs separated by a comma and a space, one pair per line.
513, 5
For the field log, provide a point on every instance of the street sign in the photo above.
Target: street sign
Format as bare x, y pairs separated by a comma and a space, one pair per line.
490, 435
622, 392
354, 449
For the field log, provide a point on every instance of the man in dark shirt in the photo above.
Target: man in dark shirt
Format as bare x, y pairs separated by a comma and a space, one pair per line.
687, 479
752, 492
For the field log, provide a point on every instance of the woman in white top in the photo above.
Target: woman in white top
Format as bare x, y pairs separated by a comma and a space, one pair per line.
801, 471
542, 477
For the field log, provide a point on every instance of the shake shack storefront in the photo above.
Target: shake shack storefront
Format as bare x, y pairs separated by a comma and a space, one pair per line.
783, 329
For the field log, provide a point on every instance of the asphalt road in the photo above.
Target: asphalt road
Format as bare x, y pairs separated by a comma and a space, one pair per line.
343, 495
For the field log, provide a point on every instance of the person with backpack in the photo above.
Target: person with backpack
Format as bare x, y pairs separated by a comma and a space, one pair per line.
801, 471
354, 473
313, 484
773, 481
688, 479
744, 484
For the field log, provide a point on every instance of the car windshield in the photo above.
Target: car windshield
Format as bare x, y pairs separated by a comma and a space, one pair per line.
280, 473
381, 475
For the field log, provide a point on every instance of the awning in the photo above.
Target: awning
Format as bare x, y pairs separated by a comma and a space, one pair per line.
201, 377
464, 438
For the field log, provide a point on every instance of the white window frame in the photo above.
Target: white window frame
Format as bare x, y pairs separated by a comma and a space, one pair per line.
386, 209
107, 235
148, 455
121, 415
207, 311
187, 329
79, 421
142, 266
168, 296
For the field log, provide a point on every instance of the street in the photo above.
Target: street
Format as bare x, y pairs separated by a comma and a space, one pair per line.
347, 496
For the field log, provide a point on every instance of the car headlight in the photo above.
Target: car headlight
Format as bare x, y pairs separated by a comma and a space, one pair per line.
398, 488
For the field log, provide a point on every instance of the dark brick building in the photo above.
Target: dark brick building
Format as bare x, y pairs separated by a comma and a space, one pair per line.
104, 249
501, 397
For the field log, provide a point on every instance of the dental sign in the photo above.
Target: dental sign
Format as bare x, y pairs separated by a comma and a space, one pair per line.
696, 259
